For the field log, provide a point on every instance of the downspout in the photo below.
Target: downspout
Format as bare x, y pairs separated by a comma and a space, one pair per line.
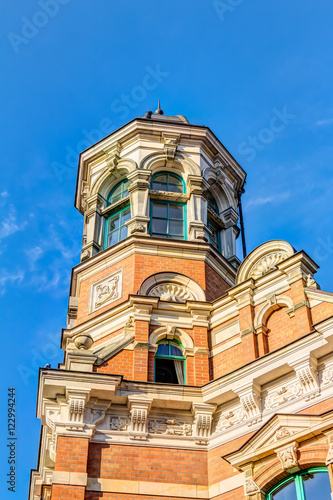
241, 220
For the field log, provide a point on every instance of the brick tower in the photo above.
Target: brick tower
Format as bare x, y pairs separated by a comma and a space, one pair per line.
186, 374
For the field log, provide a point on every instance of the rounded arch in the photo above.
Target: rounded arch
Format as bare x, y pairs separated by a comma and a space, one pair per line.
169, 172
168, 332
176, 287
264, 259
107, 180
224, 197
272, 304
156, 161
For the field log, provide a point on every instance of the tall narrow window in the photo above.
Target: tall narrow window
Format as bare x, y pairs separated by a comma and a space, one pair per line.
167, 220
116, 230
117, 214
305, 485
167, 182
170, 362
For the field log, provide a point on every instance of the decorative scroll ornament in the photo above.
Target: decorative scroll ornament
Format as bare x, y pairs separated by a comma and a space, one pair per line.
171, 292
266, 264
288, 457
51, 418
169, 427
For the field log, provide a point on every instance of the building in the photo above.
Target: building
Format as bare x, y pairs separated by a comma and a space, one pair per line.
186, 374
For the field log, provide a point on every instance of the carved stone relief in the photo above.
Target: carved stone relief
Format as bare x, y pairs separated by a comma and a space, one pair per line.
266, 264
171, 292
105, 291
168, 426
119, 423
288, 457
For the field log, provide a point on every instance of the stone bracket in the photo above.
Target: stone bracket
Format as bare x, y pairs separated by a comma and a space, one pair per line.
250, 398
139, 409
203, 417
288, 457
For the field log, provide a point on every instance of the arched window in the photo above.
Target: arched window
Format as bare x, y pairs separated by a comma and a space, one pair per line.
168, 182
305, 485
212, 205
170, 362
117, 215
119, 192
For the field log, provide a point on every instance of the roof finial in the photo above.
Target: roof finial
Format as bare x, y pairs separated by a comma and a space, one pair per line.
159, 111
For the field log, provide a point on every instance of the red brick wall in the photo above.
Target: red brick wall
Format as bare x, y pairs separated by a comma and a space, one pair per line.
71, 454
321, 312
161, 465
137, 268
120, 364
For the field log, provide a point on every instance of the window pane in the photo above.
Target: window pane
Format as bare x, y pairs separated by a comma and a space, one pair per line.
123, 233
117, 190
115, 198
176, 227
160, 210
113, 223
125, 215
159, 186
174, 180
175, 188
159, 226
113, 238
161, 178
317, 483
162, 350
173, 237
176, 212
175, 351
285, 492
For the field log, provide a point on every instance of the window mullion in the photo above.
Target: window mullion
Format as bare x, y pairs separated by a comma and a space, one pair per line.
299, 488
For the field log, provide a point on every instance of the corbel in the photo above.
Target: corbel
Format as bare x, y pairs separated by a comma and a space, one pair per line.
288, 457
203, 418
139, 409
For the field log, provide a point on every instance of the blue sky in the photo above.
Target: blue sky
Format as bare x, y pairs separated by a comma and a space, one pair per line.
258, 73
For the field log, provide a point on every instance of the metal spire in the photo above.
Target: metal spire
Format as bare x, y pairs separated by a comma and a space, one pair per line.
159, 111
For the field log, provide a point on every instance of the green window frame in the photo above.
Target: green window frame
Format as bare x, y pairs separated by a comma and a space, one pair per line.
168, 220
118, 231
212, 202
168, 182
169, 355
118, 192
299, 481
214, 239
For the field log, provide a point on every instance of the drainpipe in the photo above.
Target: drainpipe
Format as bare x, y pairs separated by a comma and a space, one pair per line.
241, 220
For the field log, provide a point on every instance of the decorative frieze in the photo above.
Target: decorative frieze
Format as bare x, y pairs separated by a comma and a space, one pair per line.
169, 426
119, 423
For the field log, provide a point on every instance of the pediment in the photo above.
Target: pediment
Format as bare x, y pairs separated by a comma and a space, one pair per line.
278, 432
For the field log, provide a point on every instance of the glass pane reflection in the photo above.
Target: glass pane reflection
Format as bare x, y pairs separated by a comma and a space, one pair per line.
317, 483
285, 492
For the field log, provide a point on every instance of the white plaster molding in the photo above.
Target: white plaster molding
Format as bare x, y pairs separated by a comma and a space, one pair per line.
76, 400
264, 259
273, 303
185, 288
171, 332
